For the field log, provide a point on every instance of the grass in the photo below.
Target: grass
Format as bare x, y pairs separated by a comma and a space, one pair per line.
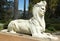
52, 25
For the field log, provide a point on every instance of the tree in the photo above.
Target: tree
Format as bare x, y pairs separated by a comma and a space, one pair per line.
3, 9
51, 7
15, 9
24, 9
57, 11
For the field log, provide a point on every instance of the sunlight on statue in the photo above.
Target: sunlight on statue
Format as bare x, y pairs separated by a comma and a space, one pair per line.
35, 25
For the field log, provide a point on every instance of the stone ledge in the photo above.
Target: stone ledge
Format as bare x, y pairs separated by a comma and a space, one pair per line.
20, 37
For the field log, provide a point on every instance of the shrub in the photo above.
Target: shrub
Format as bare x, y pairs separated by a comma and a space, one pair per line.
1, 26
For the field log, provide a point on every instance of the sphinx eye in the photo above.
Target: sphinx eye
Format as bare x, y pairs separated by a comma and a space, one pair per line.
42, 8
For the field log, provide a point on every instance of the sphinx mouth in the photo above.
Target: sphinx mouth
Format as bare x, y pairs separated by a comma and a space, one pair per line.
41, 14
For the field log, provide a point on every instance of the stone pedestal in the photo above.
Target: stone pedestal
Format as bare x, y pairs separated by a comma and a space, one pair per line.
20, 37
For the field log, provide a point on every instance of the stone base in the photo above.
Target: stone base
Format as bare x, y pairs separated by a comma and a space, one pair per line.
20, 37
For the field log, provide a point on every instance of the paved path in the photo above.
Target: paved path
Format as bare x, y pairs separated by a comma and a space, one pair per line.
21, 37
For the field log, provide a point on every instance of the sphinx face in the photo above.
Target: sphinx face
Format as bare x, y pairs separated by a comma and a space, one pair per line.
42, 10
42, 7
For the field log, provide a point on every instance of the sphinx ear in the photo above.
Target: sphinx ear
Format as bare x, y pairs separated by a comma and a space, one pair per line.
42, 2
45, 3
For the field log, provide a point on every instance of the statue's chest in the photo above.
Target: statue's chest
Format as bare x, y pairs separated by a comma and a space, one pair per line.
34, 22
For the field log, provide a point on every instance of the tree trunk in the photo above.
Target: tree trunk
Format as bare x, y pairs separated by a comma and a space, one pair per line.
15, 9
24, 9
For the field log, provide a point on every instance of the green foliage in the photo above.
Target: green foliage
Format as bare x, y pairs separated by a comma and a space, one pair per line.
2, 4
51, 7
5, 24
53, 24
34, 1
51, 28
5, 11
1, 26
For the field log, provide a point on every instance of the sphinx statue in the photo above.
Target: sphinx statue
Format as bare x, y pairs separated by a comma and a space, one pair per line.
34, 26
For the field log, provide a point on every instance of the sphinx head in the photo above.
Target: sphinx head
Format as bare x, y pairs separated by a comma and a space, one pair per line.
42, 3
42, 7
39, 8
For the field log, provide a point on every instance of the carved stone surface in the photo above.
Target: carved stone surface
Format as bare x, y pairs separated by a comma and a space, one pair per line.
33, 26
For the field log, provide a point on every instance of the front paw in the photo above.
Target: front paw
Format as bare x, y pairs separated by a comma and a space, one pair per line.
12, 32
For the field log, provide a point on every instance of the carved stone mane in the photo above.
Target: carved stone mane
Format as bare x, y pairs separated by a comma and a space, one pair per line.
38, 14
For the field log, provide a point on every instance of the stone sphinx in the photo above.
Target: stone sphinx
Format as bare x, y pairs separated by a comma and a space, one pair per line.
34, 26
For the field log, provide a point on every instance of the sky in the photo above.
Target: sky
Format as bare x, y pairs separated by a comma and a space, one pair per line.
21, 4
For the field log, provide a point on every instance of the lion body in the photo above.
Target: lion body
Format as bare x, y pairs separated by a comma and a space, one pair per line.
33, 26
